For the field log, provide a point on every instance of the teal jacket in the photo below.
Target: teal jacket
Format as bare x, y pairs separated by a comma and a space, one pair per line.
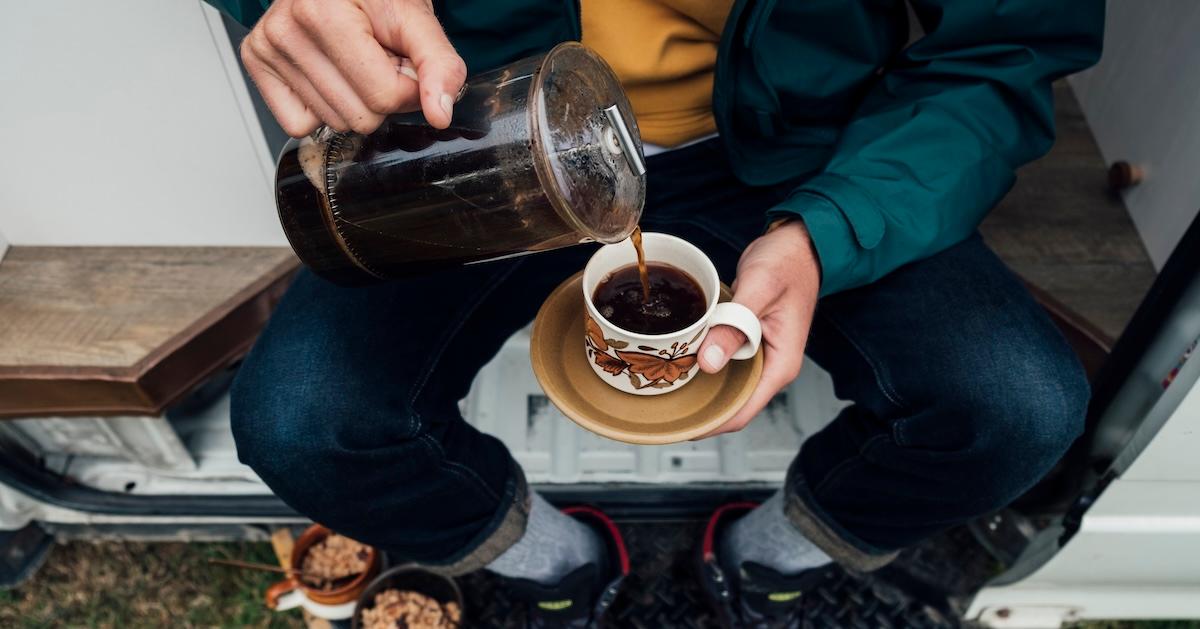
897, 152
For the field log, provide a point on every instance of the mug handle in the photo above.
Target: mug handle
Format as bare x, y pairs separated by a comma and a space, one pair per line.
284, 594
737, 316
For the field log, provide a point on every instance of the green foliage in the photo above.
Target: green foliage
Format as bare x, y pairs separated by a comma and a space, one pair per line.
116, 584
1136, 624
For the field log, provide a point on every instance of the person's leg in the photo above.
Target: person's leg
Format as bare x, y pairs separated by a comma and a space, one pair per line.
964, 395
347, 407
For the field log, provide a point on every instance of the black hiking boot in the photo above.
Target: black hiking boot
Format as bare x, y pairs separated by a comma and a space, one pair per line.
582, 597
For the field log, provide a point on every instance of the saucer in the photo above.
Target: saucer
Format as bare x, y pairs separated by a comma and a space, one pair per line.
556, 349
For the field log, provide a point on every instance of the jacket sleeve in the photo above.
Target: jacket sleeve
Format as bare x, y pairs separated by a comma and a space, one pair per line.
936, 141
246, 12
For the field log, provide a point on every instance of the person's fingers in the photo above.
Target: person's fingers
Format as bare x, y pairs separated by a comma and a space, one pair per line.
405, 67
757, 288
346, 39
289, 46
295, 79
722, 341
785, 328
779, 369
416, 33
316, 103
719, 344
328, 81
296, 119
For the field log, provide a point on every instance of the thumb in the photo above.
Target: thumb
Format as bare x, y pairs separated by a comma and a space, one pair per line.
753, 289
720, 343
440, 71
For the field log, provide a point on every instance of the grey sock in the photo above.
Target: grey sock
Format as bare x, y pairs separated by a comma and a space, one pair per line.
766, 536
553, 545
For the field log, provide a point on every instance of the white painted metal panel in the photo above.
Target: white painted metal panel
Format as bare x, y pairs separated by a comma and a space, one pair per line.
1174, 454
124, 123
1137, 555
1143, 105
1031, 609
506, 401
1145, 533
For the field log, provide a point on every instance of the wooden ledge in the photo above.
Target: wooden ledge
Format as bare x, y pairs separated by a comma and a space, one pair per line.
127, 330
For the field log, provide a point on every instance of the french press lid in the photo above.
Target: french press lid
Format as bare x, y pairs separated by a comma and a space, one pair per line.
587, 148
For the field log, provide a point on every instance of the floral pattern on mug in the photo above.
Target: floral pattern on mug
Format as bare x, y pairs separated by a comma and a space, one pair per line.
650, 367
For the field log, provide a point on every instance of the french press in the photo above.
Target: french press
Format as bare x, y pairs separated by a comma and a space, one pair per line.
540, 154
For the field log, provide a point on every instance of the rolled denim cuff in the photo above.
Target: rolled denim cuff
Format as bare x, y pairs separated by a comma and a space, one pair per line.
505, 528
806, 515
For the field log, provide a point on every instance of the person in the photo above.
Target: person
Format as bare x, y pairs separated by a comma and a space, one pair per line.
833, 169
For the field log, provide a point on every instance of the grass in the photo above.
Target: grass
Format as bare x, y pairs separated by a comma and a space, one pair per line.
1137, 624
128, 584
118, 585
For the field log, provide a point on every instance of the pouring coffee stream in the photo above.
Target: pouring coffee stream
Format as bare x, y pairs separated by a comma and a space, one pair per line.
643, 273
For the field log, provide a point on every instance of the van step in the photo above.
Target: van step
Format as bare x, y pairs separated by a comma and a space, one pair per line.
662, 592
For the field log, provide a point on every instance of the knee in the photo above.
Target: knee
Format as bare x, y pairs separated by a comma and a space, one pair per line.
1040, 406
267, 422
295, 428
1006, 428
292, 430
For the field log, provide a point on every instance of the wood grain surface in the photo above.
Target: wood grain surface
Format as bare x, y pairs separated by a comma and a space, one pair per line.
127, 330
114, 306
1063, 231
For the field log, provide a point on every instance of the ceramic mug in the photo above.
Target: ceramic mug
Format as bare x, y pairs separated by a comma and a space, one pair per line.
337, 604
653, 364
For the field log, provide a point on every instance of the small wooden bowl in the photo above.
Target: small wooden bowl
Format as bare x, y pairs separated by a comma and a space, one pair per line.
344, 594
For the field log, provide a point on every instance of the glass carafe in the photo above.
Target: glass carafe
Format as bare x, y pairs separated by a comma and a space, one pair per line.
540, 154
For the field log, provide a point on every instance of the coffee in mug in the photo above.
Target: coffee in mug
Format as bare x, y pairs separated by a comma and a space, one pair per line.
673, 301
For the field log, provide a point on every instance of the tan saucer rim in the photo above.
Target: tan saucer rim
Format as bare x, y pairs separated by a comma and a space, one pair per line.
556, 350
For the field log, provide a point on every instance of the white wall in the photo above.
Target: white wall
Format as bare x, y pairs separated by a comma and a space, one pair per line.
1143, 103
125, 122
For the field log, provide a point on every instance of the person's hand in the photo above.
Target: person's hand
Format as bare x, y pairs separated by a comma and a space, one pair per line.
778, 279
348, 63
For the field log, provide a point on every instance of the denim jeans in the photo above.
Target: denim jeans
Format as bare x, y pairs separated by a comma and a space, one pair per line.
964, 393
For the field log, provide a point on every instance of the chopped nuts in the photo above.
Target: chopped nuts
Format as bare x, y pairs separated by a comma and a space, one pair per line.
395, 609
333, 559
